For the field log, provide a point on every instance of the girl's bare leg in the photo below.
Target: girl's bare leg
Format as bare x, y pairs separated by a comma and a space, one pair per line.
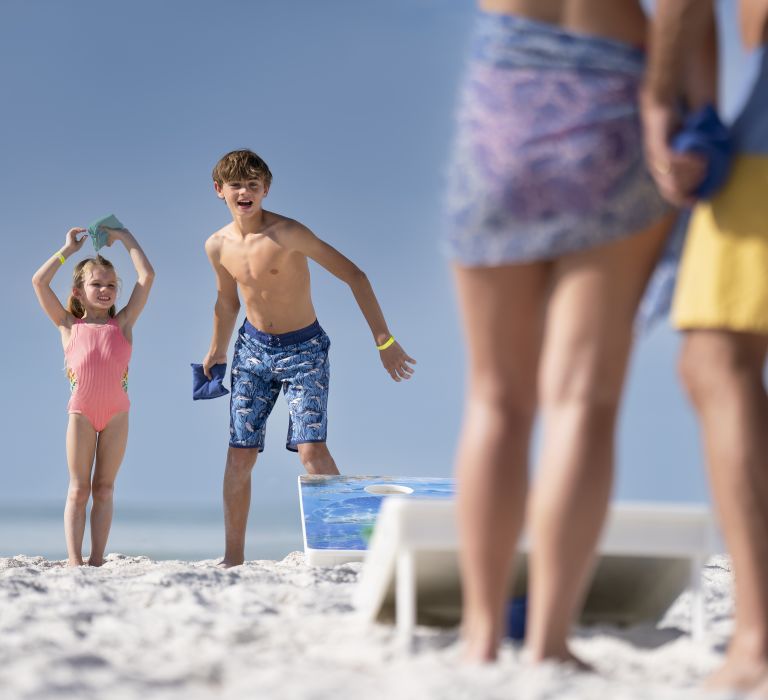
81, 447
502, 316
588, 337
109, 455
723, 373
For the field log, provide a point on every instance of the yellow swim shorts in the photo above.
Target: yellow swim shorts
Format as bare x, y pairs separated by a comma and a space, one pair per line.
723, 277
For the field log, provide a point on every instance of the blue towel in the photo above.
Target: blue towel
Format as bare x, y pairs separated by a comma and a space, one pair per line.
704, 133
657, 298
98, 234
204, 388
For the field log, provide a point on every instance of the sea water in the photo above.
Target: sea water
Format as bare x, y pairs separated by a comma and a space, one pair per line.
188, 532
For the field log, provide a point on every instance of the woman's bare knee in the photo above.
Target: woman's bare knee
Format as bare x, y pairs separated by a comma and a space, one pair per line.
511, 402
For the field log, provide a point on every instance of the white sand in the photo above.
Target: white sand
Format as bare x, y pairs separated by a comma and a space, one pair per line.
137, 628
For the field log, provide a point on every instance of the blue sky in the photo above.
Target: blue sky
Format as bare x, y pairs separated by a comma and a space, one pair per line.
125, 107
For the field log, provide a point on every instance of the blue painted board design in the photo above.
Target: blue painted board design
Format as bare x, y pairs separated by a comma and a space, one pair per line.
339, 512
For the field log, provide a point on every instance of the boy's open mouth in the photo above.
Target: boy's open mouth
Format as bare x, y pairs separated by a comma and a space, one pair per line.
244, 203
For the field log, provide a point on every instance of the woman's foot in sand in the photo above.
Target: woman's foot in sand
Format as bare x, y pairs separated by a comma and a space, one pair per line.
562, 656
478, 653
760, 692
743, 674
480, 644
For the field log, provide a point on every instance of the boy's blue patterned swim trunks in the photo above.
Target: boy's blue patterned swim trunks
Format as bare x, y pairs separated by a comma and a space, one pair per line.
295, 362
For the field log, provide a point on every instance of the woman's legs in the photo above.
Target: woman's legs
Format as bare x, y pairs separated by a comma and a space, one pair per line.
588, 337
81, 447
502, 316
109, 455
723, 373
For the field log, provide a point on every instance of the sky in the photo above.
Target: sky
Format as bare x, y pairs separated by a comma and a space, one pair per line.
124, 108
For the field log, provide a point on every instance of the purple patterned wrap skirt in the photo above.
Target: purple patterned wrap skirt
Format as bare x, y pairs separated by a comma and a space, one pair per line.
547, 156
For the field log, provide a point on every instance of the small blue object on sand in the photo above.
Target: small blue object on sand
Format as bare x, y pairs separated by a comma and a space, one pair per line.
516, 610
705, 134
98, 234
204, 388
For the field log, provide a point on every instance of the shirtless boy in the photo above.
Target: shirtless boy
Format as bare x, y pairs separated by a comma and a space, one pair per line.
263, 256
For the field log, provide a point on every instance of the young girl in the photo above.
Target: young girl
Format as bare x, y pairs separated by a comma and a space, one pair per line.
97, 348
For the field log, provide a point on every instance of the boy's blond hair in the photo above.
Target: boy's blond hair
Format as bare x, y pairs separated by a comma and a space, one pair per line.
241, 165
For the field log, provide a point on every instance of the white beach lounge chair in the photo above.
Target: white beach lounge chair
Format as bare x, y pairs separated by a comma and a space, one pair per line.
649, 554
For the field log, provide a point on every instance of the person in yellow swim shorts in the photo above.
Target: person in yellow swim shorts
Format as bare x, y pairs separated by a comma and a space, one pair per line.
721, 305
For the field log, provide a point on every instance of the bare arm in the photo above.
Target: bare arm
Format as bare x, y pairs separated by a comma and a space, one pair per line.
225, 310
681, 72
394, 358
700, 79
145, 275
42, 279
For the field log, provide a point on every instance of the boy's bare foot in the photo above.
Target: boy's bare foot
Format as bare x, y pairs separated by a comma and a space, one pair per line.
229, 563
740, 673
75, 562
92, 561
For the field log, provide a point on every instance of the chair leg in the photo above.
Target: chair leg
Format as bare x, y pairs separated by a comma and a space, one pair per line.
405, 599
698, 621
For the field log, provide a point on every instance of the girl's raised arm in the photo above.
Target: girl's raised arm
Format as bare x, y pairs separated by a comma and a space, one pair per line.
41, 280
145, 275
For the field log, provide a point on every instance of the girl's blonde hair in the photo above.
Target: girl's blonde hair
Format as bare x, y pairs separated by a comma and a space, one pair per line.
74, 305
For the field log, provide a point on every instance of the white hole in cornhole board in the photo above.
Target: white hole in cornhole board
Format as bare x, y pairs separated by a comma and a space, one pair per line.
389, 490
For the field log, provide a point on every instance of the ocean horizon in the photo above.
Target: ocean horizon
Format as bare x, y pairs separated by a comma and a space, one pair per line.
159, 531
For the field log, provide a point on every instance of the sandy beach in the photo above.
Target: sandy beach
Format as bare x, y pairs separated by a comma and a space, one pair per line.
138, 628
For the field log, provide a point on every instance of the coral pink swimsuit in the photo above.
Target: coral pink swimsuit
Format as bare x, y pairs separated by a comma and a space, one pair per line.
97, 359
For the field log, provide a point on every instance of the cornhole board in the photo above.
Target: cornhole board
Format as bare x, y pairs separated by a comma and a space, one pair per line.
649, 553
338, 512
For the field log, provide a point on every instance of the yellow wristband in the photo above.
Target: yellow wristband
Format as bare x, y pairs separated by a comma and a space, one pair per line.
62, 259
386, 343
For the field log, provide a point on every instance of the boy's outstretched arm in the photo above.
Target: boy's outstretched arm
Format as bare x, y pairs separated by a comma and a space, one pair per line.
225, 310
41, 280
393, 357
